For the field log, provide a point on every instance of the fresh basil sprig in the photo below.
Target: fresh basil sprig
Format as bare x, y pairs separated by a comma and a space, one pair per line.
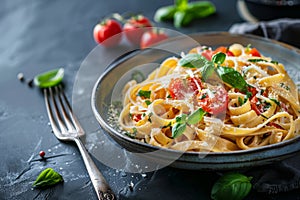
233, 78
219, 58
182, 18
196, 116
198, 61
229, 75
47, 177
181, 4
231, 186
178, 129
182, 121
49, 78
257, 60
144, 93
262, 60
183, 12
275, 101
192, 60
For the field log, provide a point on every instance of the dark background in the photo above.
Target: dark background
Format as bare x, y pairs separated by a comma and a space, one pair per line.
39, 35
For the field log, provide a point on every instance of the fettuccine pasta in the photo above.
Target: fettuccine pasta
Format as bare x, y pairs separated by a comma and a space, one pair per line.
207, 100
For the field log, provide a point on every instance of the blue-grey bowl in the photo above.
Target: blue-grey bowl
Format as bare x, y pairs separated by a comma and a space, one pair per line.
105, 89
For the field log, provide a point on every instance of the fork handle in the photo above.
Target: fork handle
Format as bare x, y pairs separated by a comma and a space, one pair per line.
101, 187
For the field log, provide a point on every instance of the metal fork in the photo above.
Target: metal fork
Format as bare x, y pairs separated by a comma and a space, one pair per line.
66, 127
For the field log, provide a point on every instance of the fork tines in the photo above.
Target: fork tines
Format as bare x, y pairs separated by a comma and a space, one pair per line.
62, 119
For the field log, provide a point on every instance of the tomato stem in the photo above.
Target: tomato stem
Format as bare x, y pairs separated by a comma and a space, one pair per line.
118, 17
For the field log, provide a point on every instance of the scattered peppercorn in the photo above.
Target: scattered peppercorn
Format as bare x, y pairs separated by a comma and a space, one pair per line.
20, 76
131, 185
42, 154
30, 83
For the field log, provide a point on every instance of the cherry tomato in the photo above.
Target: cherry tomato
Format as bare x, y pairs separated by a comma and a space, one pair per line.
253, 91
255, 106
223, 50
207, 54
152, 37
137, 117
275, 125
216, 104
179, 87
254, 52
135, 27
106, 29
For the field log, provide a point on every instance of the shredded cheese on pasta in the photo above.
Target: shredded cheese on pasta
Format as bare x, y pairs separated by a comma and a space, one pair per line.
233, 119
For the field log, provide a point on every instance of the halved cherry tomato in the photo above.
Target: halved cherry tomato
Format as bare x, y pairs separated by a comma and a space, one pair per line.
216, 104
195, 84
258, 106
152, 37
254, 52
178, 87
252, 90
135, 27
208, 54
105, 30
223, 50
137, 117
274, 125
255, 106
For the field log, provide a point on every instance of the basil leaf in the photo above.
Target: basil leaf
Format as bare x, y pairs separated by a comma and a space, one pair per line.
257, 60
178, 129
144, 93
192, 60
232, 77
201, 9
241, 101
184, 12
182, 18
219, 58
181, 4
47, 178
263, 60
207, 70
231, 186
198, 61
274, 62
181, 119
196, 116
165, 13
275, 101
148, 102
49, 78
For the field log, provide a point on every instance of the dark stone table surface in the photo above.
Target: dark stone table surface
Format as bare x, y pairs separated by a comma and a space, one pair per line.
39, 35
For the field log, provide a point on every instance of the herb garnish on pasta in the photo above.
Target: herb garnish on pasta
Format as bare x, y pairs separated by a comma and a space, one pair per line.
226, 99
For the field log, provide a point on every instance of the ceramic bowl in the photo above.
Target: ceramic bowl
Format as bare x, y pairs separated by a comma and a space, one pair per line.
109, 86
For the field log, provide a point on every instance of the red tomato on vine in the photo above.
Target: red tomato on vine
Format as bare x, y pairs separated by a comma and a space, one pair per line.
135, 27
152, 37
103, 33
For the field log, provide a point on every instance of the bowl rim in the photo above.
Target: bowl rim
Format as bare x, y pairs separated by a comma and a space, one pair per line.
273, 3
128, 55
